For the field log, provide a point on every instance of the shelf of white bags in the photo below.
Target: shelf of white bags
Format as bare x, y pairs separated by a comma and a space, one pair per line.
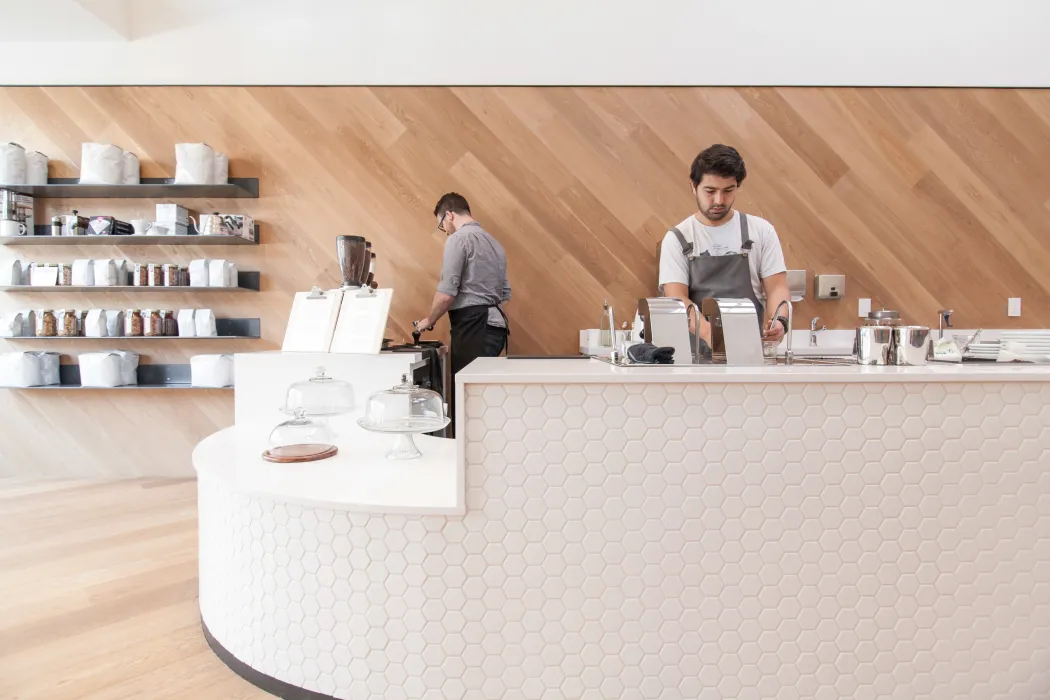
148, 188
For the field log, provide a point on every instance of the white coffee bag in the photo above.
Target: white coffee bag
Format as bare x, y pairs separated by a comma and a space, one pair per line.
83, 273
36, 168
105, 273
101, 164
101, 369
11, 325
114, 323
199, 273
212, 371
130, 170
95, 324
204, 323
20, 369
12, 164
194, 164
11, 273
187, 325
217, 275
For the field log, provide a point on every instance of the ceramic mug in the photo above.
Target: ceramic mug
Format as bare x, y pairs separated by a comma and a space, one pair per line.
12, 228
142, 226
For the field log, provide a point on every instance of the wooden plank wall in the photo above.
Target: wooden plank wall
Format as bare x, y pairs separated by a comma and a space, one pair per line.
924, 198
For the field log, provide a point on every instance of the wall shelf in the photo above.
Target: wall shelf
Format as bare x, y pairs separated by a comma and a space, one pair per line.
42, 236
150, 377
247, 281
148, 188
227, 329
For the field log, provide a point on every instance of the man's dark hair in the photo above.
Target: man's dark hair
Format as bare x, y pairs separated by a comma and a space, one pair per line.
720, 160
453, 202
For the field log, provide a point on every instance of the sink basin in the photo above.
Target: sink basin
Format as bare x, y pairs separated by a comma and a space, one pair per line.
829, 360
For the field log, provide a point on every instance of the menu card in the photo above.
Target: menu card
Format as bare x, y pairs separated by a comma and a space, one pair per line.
312, 321
362, 321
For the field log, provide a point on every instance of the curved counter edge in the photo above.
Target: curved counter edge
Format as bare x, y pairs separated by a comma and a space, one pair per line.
260, 680
358, 479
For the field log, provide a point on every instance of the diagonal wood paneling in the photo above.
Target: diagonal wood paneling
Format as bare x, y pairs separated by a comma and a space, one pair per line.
924, 198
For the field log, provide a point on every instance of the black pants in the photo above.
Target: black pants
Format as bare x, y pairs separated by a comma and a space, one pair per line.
495, 341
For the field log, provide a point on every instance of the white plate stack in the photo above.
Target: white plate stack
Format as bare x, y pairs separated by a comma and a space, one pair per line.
1028, 346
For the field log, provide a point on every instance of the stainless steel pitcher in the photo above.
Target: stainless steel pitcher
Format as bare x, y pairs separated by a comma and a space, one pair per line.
874, 345
911, 345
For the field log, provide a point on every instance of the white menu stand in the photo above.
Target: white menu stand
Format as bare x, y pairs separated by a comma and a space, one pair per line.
362, 322
311, 324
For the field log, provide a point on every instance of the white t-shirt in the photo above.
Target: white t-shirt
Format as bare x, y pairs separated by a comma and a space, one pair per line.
766, 257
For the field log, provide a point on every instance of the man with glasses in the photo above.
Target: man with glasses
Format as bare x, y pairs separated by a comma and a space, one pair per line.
473, 285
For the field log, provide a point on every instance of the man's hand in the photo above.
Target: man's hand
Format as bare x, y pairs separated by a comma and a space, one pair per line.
775, 333
424, 325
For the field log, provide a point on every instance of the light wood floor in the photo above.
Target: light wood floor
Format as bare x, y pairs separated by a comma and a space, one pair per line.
98, 594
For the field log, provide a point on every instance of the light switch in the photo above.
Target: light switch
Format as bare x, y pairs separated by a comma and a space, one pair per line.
863, 307
1013, 306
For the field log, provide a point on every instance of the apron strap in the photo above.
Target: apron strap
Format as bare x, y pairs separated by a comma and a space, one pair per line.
744, 237
687, 247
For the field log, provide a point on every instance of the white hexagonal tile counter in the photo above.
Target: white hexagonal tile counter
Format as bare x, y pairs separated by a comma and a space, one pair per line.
672, 542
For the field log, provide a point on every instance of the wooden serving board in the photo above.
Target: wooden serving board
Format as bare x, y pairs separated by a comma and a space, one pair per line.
299, 453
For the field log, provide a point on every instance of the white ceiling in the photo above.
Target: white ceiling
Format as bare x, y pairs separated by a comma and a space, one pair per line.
539, 42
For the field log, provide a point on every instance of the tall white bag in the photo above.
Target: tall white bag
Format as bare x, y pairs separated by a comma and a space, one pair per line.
83, 273
200, 275
11, 325
129, 365
221, 176
130, 168
187, 326
29, 323
105, 273
11, 273
12, 164
101, 164
49, 364
204, 323
114, 323
36, 168
95, 324
194, 164
217, 275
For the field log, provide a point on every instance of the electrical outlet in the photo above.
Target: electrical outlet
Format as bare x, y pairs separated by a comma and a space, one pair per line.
863, 307
1013, 306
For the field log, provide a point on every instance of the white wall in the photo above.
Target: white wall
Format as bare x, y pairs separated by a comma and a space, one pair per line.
538, 42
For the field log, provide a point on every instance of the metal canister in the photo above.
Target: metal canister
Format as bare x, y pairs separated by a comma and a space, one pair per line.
56, 225
911, 345
874, 345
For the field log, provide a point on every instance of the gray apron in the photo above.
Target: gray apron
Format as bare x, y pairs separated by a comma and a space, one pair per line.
721, 275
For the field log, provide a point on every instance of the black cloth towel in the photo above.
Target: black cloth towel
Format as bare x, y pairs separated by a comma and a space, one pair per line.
649, 354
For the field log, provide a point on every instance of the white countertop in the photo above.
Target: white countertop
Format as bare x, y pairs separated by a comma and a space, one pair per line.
502, 370
358, 479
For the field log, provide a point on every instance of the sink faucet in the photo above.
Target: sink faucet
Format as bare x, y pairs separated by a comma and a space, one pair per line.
944, 320
789, 356
813, 330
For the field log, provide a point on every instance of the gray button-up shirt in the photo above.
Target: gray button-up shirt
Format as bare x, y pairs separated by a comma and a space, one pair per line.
474, 271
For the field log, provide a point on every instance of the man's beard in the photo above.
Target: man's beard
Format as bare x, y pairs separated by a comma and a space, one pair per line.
713, 215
